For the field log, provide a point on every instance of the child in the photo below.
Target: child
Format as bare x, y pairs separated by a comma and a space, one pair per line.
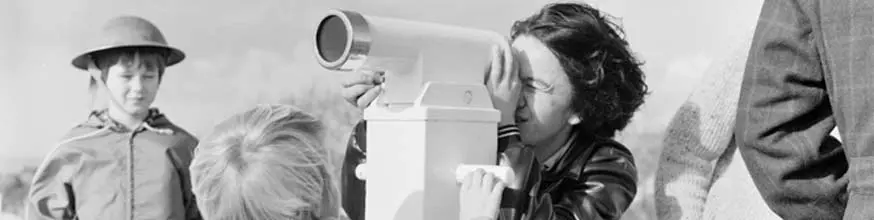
127, 161
266, 163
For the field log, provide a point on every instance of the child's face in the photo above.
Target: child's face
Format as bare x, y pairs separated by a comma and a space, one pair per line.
544, 105
133, 81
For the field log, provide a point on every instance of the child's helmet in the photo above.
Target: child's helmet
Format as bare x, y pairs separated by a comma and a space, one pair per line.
128, 31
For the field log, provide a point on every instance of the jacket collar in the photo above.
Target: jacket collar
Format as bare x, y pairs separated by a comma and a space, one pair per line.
570, 164
553, 159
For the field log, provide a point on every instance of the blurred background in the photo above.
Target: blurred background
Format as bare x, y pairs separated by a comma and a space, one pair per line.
242, 53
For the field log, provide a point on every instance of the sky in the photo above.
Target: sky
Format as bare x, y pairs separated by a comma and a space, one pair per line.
241, 53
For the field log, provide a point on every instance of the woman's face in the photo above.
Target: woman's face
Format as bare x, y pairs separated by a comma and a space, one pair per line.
545, 103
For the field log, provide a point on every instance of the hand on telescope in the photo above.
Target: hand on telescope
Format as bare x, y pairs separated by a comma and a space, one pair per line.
361, 89
503, 81
480, 196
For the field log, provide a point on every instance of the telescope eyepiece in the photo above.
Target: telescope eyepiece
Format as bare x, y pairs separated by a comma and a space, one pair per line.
331, 39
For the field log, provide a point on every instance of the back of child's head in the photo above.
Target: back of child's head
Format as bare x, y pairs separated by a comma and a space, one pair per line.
265, 163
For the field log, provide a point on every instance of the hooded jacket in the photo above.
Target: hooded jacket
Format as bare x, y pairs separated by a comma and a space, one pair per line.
594, 178
104, 171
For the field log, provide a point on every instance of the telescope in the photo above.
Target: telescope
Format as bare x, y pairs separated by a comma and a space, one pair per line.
434, 121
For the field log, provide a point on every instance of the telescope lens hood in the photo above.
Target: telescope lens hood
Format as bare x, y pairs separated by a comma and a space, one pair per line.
342, 40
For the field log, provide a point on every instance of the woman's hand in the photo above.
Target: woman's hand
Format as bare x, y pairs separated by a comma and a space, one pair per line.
503, 81
360, 89
480, 196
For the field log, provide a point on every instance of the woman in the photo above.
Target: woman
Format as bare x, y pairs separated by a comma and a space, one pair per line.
577, 84
700, 174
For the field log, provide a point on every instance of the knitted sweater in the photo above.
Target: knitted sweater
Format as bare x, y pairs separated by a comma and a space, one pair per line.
700, 176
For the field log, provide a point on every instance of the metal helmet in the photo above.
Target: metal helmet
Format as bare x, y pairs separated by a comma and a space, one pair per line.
128, 32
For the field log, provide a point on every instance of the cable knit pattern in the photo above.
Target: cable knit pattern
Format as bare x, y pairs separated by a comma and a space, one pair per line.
698, 149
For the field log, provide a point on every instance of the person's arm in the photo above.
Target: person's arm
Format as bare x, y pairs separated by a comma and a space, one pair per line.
686, 167
784, 116
51, 192
188, 199
610, 185
697, 136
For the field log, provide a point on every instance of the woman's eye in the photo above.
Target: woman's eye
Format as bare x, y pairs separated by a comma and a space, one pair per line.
536, 84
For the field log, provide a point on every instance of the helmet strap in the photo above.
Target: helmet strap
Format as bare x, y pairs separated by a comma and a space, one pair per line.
99, 91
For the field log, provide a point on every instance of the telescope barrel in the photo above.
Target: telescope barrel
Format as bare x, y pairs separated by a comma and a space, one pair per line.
409, 53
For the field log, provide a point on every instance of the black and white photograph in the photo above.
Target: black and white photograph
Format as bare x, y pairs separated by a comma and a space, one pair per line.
436, 110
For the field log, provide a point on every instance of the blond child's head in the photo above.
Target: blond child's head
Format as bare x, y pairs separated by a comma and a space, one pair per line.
265, 163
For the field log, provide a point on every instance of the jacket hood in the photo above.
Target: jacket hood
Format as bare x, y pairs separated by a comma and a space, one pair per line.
155, 121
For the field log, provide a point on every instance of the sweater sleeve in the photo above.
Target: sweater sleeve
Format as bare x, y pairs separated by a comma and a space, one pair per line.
696, 137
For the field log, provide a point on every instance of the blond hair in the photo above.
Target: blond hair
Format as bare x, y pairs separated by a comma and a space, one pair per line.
265, 163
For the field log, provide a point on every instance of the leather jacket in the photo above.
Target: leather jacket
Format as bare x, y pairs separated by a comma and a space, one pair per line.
594, 179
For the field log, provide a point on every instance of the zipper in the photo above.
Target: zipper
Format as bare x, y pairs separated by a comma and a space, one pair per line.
130, 157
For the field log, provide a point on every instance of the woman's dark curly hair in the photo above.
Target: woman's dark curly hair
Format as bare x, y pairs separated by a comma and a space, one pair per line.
608, 84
